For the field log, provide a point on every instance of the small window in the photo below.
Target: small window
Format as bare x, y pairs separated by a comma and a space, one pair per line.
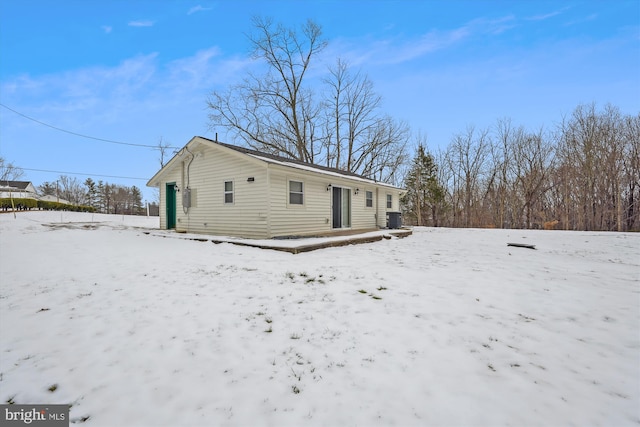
296, 193
228, 192
389, 201
369, 199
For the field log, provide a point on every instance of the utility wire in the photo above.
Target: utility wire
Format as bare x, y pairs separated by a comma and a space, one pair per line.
85, 174
82, 135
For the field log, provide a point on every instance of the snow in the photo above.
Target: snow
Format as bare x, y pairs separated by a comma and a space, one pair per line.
452, 327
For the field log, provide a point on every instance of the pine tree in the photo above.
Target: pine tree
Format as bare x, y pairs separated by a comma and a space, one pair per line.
136, 196
425, 195
47, 189
92, 193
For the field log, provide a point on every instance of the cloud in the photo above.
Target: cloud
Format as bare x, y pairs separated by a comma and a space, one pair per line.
399, 49
107, 28
141, 24
547, 15
198, 8
430, 42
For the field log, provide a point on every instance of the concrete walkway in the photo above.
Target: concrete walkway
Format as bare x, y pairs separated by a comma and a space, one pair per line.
291, 245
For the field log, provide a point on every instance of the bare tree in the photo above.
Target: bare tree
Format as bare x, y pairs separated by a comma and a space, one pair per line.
467, 158
9, 172
279, 113
71, 189
630, 185
163, 149
351, 116
274, 112
532, 164
499, 192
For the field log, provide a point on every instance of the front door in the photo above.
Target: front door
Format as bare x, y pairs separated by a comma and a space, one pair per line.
171, 205
341, 208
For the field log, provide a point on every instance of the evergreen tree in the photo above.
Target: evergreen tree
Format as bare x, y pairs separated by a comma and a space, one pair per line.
92, 193
136, 197
425, 195
47, 189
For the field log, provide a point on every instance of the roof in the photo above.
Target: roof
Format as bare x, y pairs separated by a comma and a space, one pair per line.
20, 185
285, 161
280, 159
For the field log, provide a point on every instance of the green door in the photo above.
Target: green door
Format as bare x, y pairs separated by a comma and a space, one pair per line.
171, 205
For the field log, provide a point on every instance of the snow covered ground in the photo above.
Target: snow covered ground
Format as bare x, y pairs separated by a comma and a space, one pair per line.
446, 327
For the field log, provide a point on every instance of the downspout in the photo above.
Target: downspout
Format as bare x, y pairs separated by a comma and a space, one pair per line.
268, 230
377, 205
187, 187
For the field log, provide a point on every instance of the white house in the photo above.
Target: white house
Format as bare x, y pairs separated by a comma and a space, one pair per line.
214, 188
17, 190
52, 198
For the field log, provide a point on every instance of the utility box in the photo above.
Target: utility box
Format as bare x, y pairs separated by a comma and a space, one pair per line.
394, 220
186, 197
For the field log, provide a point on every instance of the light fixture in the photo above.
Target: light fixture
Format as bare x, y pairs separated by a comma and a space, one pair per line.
357, 191
329, 187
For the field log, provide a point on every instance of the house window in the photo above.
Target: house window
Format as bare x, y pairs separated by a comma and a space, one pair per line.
389, 201
296, 193
228, 192
369, 199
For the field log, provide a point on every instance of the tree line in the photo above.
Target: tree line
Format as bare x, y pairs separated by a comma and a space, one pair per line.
102, 196
582, 175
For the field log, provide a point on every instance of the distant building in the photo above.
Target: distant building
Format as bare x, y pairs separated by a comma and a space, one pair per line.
52, 198
17, 190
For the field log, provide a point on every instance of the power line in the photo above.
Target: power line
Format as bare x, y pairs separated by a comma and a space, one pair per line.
110, 141
84, 174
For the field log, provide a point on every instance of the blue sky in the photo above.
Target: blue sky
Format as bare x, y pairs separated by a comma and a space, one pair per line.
136, 71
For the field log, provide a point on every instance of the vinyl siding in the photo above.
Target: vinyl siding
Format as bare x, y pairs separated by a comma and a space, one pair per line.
209, 214
315, 216
261, 207
312, 217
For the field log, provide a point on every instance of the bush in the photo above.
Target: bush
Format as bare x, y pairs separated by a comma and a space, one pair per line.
19, 204
28, 204
57, 206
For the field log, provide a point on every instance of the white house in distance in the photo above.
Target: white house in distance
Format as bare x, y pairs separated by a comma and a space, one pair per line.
213, 188
17, 190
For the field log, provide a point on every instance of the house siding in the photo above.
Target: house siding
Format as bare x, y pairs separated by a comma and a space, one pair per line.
209, 214
309, 218
261, 207
315, 216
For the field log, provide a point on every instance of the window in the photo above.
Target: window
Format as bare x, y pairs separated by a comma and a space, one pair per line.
369, 199
296, 193
228, 192
389, 201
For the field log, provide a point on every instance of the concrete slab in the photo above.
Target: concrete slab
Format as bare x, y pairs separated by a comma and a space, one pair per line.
292, 245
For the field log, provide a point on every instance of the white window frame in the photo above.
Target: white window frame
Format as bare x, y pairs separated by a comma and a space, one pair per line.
289, 192
389, 201
226, 192
367, 199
